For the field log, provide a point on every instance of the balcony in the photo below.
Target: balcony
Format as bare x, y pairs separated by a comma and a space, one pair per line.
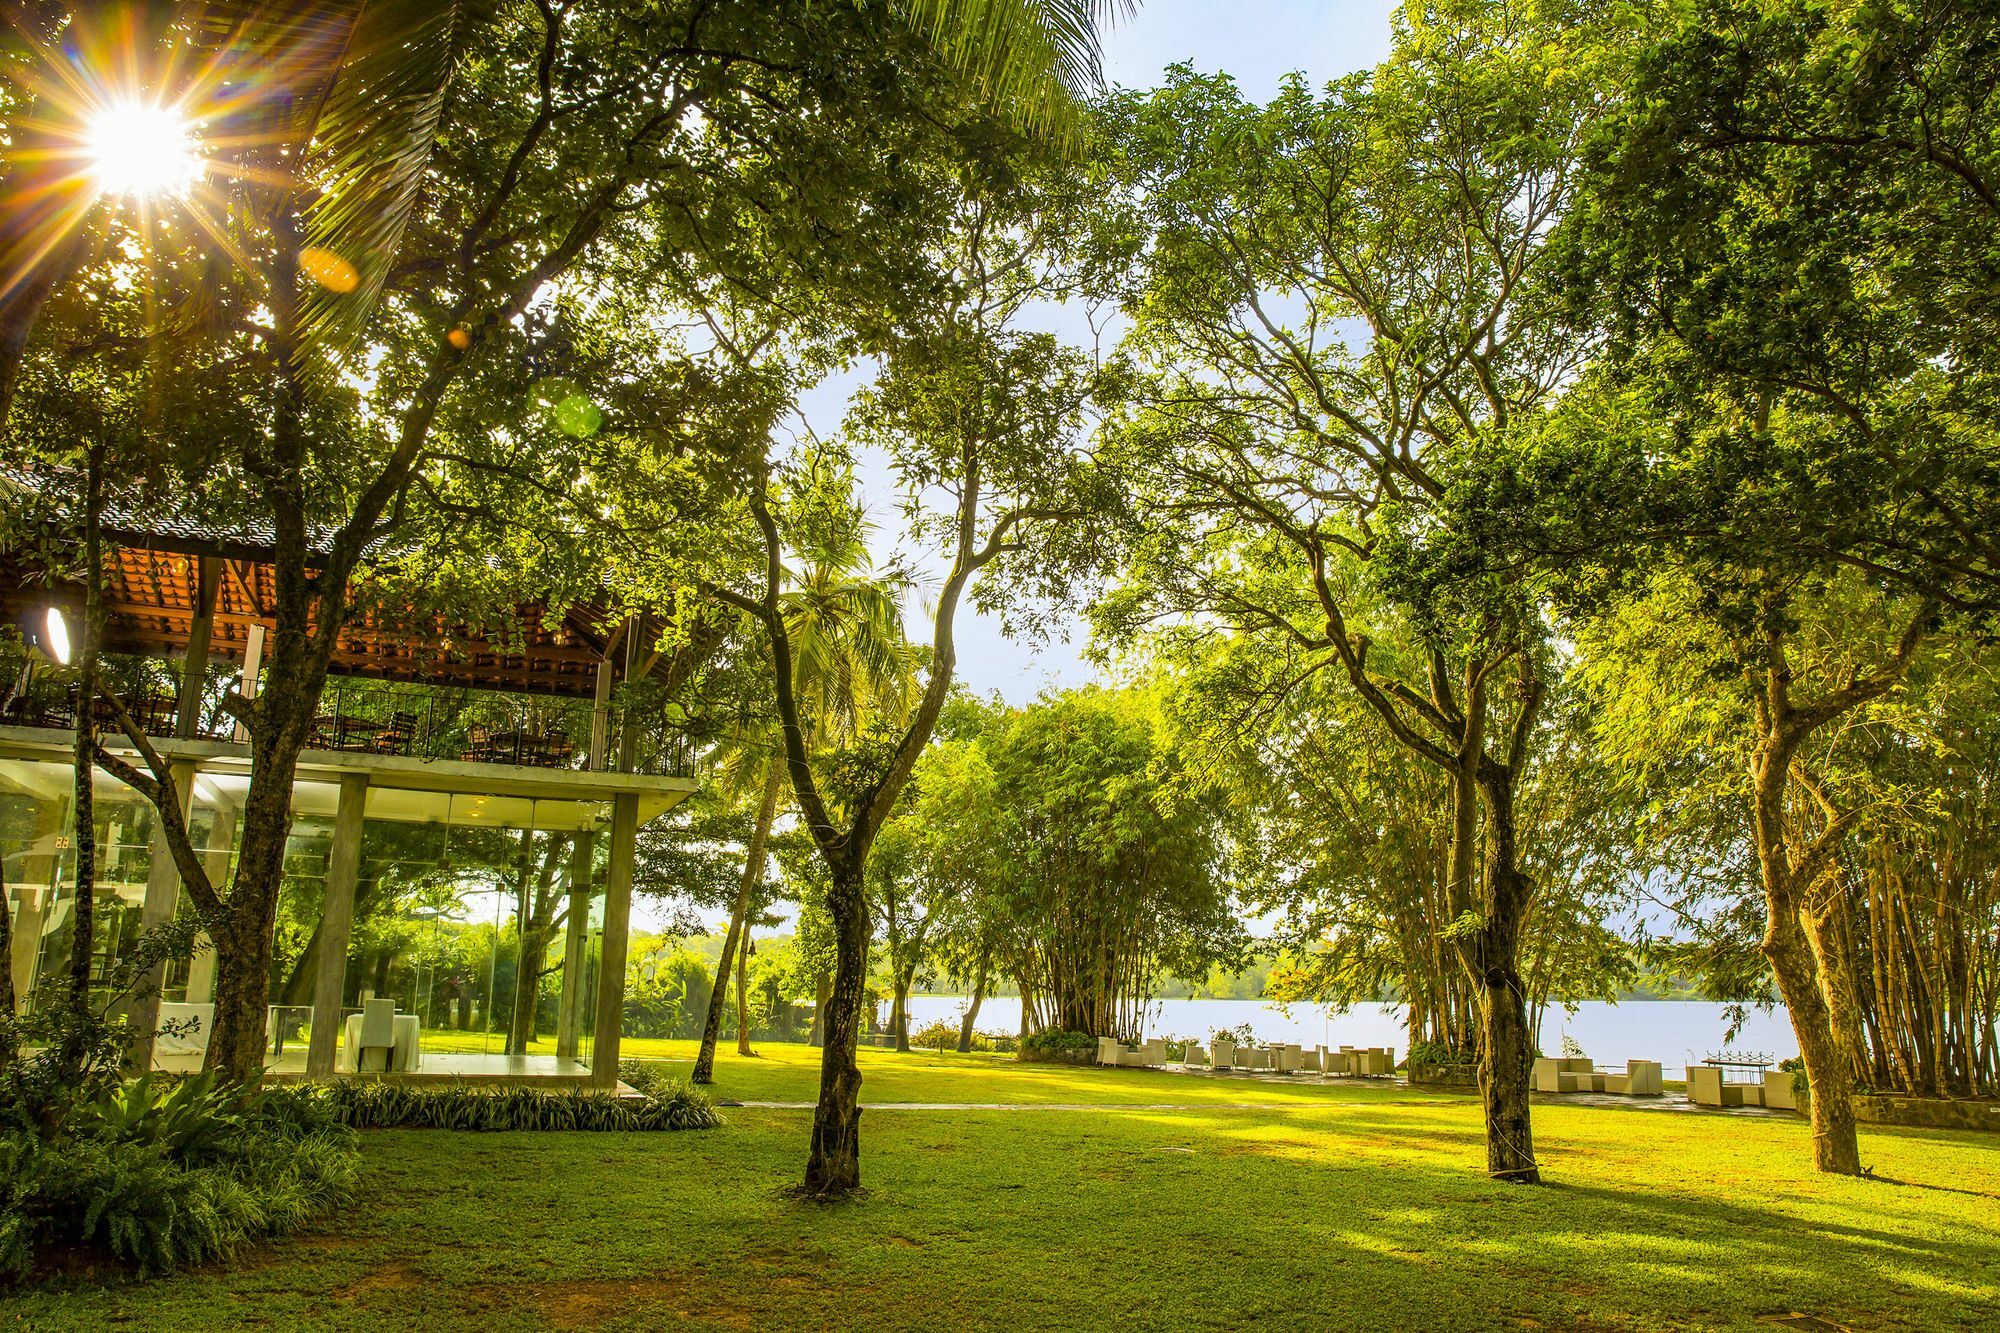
381, 718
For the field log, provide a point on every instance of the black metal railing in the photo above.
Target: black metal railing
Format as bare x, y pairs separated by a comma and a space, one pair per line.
378, 717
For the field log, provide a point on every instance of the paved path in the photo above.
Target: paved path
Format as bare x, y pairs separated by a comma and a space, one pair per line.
1601, 1101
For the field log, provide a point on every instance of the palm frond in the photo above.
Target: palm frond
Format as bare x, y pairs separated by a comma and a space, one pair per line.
371, 146
1034, 58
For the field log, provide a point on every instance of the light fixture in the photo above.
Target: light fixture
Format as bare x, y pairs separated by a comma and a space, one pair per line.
141, 149
54, 636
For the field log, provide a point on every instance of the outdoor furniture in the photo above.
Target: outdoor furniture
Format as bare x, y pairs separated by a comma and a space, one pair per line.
285, 1023
1309, 1060
377, 1033
481, 745
1107, 1050
1221, 1054
1336, 1062
1153, 1053
404, 1054
1254, 1057
1708, 1087
1548, 1072
1717, 1089
1288, 1059
1192, 1056
1780, 1093
1376, 1062
1643, 1078
396, 737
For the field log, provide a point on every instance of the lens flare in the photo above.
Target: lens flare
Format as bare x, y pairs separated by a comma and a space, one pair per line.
142, 150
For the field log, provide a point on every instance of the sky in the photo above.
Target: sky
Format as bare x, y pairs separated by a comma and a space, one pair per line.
1256, 42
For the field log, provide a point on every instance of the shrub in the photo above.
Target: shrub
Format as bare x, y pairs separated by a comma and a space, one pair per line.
663, 1105
1054, 1039
1440, 1055
159, 1191
938, 1035
156, 1172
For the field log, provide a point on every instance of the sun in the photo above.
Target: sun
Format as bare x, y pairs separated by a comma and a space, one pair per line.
143, 150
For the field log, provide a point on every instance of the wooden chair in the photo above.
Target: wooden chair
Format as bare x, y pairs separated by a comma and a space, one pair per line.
479, 744
396, 737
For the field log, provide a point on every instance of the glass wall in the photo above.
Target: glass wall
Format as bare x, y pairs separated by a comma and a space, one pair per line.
473, 914
480, 917
38, 852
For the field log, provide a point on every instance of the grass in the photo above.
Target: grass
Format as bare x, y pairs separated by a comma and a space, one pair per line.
1342, 1208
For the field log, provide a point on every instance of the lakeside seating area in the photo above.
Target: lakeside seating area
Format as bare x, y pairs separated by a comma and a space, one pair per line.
1275, 1058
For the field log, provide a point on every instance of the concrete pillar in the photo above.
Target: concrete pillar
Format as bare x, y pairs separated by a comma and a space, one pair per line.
628, 735
163, 897
221, 846
33, 893
194, 662
576, 947
343, 869
617, 929
253, 663
600, 716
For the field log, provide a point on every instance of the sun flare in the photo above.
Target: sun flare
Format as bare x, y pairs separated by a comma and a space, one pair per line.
143, 150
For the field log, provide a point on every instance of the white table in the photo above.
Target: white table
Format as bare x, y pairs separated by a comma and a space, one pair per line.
407, 1055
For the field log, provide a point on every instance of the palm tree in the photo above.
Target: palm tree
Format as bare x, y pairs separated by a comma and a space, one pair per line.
854, 665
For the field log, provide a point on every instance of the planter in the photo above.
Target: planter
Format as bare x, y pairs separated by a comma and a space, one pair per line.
1444, 1076
1927, 1112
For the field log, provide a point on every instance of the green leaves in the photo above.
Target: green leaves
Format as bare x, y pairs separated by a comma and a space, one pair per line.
370, 152
1034, 59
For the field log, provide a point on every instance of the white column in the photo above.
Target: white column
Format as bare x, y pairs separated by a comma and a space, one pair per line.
576, 947
253, 662
343, 868
221, 846
163, 897
617, 927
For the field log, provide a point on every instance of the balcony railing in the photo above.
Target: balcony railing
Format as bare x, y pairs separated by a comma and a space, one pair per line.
368, 717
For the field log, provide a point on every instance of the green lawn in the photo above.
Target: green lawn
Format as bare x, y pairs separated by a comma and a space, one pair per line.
1343, 1209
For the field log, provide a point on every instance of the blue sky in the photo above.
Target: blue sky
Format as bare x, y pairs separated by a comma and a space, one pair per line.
1256, 42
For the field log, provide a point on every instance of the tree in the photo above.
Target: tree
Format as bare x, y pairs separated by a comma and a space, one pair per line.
972, 409
1116, 871
571, 128
1773, 250
853, 664
1333, 297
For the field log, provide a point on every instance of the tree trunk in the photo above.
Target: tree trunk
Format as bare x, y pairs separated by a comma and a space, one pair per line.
1507, 1051
1830, 1106
743, 994
243, 945
527, 991
899, 1012
1834, 954
972, 1010
753, 874
6, 971
822, 990
833, 1167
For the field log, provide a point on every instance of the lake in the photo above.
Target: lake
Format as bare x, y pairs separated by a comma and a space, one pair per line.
1673, 1032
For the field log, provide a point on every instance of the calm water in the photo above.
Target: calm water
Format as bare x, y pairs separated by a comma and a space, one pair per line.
1674, 1032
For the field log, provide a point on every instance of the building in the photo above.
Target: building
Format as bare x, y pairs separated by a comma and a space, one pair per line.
472, 798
